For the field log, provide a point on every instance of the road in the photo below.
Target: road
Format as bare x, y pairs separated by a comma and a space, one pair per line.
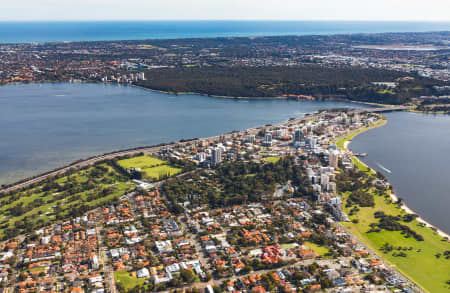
109, 273
201, 253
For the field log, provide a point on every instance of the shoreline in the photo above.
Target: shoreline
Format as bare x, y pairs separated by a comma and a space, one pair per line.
124, 152
419, 219
428, 112
205, 95
161, 91
226, 97
393, 196
200, 94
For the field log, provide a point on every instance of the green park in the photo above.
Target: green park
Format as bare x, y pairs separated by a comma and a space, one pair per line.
56, 198
151, 168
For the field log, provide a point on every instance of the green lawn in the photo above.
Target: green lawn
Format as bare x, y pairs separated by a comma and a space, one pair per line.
320, 250
127, 280
151, 168
421, 264
288, 245
271, 159
361, 166
38, 269
161, 171
141, 162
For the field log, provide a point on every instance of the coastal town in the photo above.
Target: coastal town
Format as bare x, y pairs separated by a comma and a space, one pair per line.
390, 68
423, 53
268, 209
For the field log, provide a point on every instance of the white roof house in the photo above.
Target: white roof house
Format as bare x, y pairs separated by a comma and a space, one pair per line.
143, 273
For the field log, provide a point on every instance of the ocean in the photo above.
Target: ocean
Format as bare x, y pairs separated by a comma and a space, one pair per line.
26, 32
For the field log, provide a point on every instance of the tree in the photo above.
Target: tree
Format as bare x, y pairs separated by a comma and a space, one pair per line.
187, 275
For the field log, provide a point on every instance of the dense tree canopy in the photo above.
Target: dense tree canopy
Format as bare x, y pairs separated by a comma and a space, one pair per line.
347, 82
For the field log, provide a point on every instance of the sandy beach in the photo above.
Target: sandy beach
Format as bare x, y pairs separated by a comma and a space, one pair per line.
419, 219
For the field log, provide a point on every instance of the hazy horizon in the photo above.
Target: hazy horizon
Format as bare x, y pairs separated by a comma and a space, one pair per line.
227, 20
170, 10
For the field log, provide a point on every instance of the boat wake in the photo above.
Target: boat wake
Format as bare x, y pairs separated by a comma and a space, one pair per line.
384, 168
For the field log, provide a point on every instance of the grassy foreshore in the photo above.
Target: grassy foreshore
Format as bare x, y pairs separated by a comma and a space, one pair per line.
428, 112
342, 141
421, 261
421, 264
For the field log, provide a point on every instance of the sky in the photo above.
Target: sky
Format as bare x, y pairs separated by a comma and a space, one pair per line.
370, 10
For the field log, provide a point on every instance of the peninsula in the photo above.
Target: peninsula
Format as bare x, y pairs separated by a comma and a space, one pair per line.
278, 206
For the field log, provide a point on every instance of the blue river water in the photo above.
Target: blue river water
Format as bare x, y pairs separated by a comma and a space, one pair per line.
21, 32
45, 126
412, 151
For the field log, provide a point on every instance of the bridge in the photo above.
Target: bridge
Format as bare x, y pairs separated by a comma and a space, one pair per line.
384, 109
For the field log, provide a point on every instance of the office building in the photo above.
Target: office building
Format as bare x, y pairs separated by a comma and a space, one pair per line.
216, 156
334, 158
298, 135
267, 140
251, 138
324, 180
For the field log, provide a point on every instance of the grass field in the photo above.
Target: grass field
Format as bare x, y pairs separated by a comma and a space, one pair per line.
141, 162
127, 280
42, 204
151, 168
288, 245
161, 171
320, 250
271, 159
361, 166
421, 264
